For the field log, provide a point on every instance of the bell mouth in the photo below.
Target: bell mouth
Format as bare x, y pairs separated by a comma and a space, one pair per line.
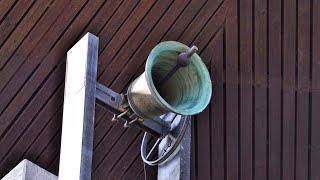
189, 90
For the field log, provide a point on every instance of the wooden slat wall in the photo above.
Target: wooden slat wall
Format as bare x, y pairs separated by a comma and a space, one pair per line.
262, 121
263, 56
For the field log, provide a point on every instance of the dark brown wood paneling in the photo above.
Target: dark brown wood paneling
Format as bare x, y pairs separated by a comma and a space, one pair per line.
274, 93
14, 17
260, 89
246, 91
232, 91
302, 93
5, 7
217, 108
314, 95
288, 91
262, 122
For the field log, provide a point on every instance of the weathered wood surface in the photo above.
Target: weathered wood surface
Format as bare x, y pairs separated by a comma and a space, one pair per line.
263, 57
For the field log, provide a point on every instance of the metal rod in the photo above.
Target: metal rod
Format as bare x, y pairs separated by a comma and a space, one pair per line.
182, 61
153, 147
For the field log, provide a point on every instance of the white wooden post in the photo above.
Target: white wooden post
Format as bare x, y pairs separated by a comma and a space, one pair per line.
78, 110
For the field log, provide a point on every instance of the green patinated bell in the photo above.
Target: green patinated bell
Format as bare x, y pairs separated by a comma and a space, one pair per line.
187, 92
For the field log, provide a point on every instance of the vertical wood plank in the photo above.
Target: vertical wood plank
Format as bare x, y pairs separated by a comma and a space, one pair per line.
260, 90
274, 65
315, 98
193, 159
204, 119
246, 115
203, 137
302, 102
217, 109
232, 134
288, 69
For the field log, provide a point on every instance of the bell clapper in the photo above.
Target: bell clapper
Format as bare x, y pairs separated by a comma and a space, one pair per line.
182, 61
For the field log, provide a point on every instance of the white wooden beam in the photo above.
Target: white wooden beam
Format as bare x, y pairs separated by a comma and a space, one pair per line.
78, 110
26, 170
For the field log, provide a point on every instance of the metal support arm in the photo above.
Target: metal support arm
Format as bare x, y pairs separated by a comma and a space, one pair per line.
113, 102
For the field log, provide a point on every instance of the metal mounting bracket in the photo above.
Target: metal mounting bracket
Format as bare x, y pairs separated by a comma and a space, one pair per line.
82, 91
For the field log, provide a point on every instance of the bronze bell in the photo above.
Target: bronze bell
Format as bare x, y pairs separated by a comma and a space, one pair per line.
187, 92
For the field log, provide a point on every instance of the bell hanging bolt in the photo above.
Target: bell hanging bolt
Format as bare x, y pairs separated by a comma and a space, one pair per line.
135, 120
132, 116
123, 113
126, 125
114, 118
